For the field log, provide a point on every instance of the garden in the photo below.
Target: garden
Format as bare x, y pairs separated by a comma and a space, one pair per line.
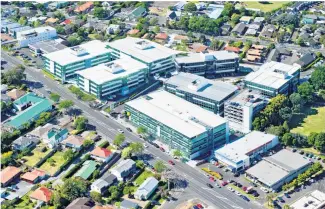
54, 163
267, 6
36, 155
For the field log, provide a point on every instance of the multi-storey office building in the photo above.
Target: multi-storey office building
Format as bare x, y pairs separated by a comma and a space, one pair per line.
178, 123
158, 58
116, 78
274, 78
241, 109
13, 32
66, 62
208, 94
34, 35
208, 64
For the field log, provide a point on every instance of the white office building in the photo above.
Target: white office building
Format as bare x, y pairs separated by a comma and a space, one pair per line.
313, 200
35, 35
239, 154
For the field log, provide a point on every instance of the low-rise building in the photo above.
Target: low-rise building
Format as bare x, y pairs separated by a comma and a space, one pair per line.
208, 64
178, 123
127, 204
208, 94
35, 35
274, 171
245, 19
101, 184
8, 174
268, 31
46, 47
124, 169
312, 200
41, 194
116, 78
16, 93
146, 188
239, 29
274, 78
240, 154
87, 169
81, 203
13, 32
54, 136
24, 142
101, 154
34, 176
74, 142
66, 62
84, 8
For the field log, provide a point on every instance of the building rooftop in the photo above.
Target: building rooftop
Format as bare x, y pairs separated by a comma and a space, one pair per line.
183, 116
47, 46
22, 34
81, 203
276, 167
19, 29
243, 147
42, 194
31, 176
87, 169
147, 186
101, 152
247, 98
202, 57
78, 53
124, 165
273, 74
8, 173
141, 49
74, 140
201, 86
313, 200
112, 70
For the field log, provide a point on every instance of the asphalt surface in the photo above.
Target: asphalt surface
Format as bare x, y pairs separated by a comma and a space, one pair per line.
220, 198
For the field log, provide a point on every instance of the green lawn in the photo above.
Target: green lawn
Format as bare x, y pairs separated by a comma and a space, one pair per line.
143, 176
314, 122
25, 203
313, 151
51, 169
35, 156
269, 6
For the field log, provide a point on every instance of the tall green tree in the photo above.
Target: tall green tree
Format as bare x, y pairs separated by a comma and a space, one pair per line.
190, 7
306, 91
65, 105
318, 78
159, 166
80, 123
119, 139
74, 188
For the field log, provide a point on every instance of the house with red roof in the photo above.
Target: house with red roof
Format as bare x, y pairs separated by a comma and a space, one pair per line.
101, 154
73, 141
34, 176
232, 49
41, 194
66, 22
8, 174
162, 36
84, 8
133, 32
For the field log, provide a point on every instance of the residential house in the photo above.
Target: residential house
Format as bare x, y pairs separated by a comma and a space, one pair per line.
245, 19
124, 169
66, 22
173, 15
137, 12
74, 142
180, 38
179, 5
280, 53
87, 169
8, 174
41, 194
127, 204
54, 136
51, 21
68, 29
198, 48
101, 154
161, 37
81, 203
232, 49
101, 185
225, 30
299, 6
251, 32
259, 20
112, 29
34, 176
306, 59
133, 32
104, 207
268, 31
84, 8
309, 19
58, 5
214, 11
24, 142
239, 29
146, 188
16, 94
41, 130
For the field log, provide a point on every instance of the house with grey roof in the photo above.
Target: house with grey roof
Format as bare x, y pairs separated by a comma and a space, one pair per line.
146, 188
24, 142
101, 184
239, 29
306, 59
127, 204
124, 169
268, 31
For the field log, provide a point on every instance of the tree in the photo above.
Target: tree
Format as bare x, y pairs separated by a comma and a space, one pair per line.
51, 161
87, 143
235, 18
140, 164
214, 44
276, 130
269, 199
190, 7
68, 155
55, 97
286, 206
320, 142
141, 130
306, 91
112, 189
96, 196
287, 139
297, 102
286, 126
119, 139
177, 153
36, 24
285, 113
300, 41
22, 20
59, 29
80, 123
159, 166
153, 21
74, 188
14, 76
65, 104
6, 158
126, 152
74, 40
43, 118
156, 29
137, 147
312, 138
81, 32
100, 12
299, 140
317, 78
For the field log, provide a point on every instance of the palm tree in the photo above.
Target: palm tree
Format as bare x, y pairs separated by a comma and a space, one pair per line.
286, 206
269, 199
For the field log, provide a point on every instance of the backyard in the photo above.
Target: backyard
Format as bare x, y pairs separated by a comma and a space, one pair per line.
314, 122
36, 155
268, 6
143, 176
52, 167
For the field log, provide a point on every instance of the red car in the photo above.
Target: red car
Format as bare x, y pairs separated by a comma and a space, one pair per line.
162, 149
212, 179
224, 183
171, 162
199, 205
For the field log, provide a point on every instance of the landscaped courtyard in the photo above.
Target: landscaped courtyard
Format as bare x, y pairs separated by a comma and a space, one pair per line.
36, 155
52, 167
312, 123
264, 7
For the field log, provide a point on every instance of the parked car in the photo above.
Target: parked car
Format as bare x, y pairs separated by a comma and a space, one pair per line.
162, 149
224, 183
264, 189
171, 162
236, 175
195, 207
209, 185
211, 178
130, 130
217, 185
156, 145
199, 206
120, 130
245, 198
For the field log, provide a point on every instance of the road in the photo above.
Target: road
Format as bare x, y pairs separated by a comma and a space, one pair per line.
197, 180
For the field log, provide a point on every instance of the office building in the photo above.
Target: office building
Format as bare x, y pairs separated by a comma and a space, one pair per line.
274, 171
46, 47
313, 200
239, 154
116, 78
274, 78
208, 64
35, 35
13, 32
178, 123
66, 62
241, 109
208, 94
158, 58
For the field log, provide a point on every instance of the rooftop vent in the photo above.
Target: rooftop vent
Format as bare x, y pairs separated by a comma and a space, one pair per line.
78, 51
143, 45
114, 68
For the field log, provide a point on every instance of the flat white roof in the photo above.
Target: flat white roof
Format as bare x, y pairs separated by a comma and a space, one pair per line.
273, 74
142, 49
201, 57
37, 30
103, 73
177, 113
67, 55
313, 200
240, 149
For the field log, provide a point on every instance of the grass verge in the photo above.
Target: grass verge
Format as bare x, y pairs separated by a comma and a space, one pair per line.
48, 74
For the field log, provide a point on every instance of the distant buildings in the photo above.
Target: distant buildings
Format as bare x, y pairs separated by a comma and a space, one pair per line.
312, 200
35, 35
274, 78
208, 94
208, 64
177, 123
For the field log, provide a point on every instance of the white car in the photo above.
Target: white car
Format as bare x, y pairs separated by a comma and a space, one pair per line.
120, 130
230, 189
237, 193
217, 185
264, 189
145, 145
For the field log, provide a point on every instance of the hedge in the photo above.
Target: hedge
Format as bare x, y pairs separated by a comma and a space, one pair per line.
311, 64
104, 144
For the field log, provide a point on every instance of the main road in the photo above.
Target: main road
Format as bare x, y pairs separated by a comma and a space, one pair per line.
220, 198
